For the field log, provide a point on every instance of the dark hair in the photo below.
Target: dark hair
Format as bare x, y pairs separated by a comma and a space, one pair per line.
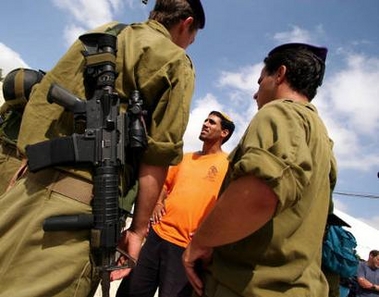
374, 253
305, 70
226, 123
170, 12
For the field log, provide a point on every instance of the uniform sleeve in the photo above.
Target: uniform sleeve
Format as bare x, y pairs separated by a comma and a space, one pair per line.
333, 173
361, 270
170, 115
275, 149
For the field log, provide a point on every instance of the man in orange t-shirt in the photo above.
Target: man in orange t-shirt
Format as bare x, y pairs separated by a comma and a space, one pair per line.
190, 191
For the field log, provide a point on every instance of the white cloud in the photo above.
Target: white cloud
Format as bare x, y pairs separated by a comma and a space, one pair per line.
347, 103
118, 4
87, 13
244, 79
84, 15
10, 60
71, 33
354, 93
297, 34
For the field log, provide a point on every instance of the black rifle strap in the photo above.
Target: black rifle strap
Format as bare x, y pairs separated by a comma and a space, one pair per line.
115, 30
50, 153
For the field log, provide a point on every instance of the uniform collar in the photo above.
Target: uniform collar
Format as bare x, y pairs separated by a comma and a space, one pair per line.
159, 27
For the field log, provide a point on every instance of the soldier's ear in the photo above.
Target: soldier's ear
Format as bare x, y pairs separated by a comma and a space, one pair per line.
280, 74
186, 24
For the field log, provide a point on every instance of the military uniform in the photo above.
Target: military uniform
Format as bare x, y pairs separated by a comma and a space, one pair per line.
16, 88
38, 263
10, 160
282, 258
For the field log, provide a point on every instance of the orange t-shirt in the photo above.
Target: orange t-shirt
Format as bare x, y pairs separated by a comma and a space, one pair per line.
192, 188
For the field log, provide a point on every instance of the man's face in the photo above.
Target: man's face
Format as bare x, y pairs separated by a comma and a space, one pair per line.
267, 89
375, 261
211, 129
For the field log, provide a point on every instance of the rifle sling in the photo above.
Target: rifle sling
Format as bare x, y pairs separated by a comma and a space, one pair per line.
50, 153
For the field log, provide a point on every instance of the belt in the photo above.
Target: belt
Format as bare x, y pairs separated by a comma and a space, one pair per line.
64, 183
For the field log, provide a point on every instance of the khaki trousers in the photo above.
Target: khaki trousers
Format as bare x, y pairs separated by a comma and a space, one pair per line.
34, 262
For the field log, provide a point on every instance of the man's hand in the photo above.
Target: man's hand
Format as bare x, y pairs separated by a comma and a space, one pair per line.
158, 212
131, 243
151, 179
192, 257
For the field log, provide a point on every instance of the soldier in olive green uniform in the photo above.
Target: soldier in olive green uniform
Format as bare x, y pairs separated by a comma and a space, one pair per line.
151, 57
17, 86
10, 161
264, 235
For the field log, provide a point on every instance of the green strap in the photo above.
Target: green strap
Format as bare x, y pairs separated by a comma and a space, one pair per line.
116, 29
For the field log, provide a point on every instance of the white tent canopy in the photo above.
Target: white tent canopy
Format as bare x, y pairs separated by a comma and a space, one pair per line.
367, 237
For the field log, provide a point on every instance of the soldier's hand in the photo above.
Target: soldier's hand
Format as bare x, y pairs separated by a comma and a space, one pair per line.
131, 243
195, 258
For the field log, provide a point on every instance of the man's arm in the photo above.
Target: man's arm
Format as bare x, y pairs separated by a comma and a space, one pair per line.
151, 179
366, 284
245, 206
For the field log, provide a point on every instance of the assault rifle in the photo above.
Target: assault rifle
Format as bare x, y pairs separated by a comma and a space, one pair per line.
104, 138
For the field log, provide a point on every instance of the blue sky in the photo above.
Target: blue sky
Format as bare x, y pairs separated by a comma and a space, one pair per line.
228, 57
